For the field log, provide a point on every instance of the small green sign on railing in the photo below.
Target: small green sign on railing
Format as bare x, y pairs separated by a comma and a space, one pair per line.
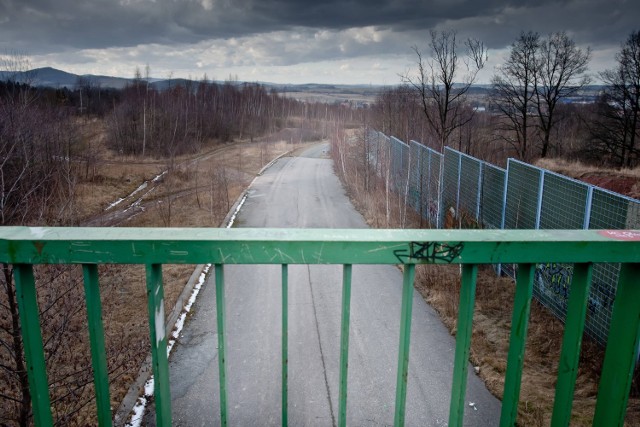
24, 247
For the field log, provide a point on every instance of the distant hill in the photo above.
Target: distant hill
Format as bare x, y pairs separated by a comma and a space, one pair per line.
52, 77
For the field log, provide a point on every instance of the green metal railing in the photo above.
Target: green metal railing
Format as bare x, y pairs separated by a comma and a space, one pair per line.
24, 247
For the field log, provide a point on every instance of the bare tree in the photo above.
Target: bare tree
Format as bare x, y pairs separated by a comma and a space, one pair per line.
442, 82
561, 73
514, 92
616, 130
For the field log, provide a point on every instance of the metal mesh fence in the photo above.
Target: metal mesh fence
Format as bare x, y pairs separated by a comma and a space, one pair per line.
523, 189
442, 187
607, 211
417, 176
492, 197
373, 149
399, 165
564, 206
470, 188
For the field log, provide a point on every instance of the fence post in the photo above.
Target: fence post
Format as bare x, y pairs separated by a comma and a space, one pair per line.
440, 191
504, 196
479, 196
539, 204
458, 192
429, 187
587, 209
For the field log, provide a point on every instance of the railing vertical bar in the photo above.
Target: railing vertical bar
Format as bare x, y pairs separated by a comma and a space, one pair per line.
219, 268
571, 344
155, 302
32, 341
344, 342
622, 350
285, 343
463, 343
405, 340
96, 338
517, 341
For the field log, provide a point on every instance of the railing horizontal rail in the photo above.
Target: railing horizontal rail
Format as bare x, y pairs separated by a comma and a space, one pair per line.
25, 246
312, 246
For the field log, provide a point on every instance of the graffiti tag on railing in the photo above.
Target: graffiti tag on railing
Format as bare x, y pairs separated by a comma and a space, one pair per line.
430, 252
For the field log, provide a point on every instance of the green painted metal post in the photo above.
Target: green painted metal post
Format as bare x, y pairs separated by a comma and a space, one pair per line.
344, 343
96, 338
155, 302
221, 356
463, 343
405, 340
517, 341
571, 344
32, 341
622, 350
285, 343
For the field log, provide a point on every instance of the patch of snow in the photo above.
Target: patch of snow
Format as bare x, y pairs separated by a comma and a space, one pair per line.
141, 404
120, 200
233, 217
116, 203
158, 177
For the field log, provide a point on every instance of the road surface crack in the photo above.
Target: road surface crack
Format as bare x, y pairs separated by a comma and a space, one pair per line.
324, 368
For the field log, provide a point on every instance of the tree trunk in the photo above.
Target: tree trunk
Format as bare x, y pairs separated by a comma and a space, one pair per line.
18, 350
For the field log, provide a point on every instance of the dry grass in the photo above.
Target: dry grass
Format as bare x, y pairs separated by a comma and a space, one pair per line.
440, 287
576, 169
199, 189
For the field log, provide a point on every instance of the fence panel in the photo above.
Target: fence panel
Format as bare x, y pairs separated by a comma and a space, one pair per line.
417, 176
450, 187
614, 212
470, 187
564, 206
492, 198
373, 149
399, 165
523, 189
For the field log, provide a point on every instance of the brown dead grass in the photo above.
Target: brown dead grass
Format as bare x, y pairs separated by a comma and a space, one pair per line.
222, 173
440, 287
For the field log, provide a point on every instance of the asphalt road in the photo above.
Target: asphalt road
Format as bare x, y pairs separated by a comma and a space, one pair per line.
304, 192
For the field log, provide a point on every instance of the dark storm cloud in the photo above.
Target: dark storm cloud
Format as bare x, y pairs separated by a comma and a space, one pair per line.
224, 35
43, 26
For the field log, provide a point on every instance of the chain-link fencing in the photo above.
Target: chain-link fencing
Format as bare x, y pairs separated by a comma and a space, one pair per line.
454, 190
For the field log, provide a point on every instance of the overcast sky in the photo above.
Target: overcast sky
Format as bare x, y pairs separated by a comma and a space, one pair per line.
290, 41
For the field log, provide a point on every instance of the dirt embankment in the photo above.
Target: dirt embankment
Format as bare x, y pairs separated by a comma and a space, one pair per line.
623, 181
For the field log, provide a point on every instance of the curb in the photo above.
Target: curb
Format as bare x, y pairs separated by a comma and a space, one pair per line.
243, 195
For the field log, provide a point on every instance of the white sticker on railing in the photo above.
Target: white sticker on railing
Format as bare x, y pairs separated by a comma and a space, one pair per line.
159, 320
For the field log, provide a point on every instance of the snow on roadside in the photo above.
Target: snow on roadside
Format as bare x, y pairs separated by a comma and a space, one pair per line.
233, 217
141, 403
